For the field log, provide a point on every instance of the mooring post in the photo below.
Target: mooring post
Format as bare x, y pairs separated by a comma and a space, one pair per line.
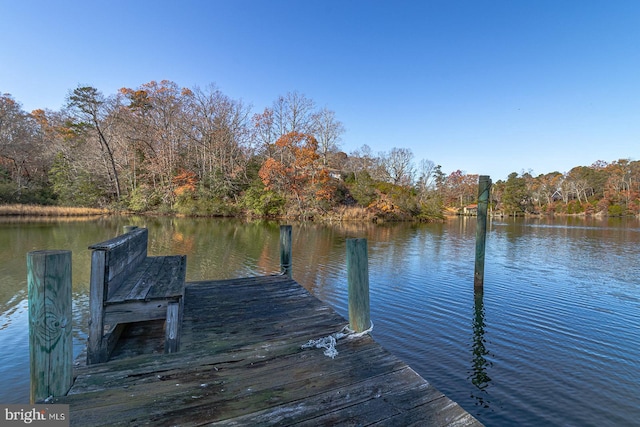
358, 283
128, 228
484, 190
285, 250
50, 315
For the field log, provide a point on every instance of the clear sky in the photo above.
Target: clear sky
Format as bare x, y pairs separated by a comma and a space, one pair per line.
484, 86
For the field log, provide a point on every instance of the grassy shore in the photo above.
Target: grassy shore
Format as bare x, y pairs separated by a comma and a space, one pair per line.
57, 211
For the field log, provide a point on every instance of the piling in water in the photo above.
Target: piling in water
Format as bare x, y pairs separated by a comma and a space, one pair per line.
358, 283
50, 315
285, 250
484, 190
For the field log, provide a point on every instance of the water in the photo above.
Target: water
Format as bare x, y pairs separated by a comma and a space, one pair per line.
554, 339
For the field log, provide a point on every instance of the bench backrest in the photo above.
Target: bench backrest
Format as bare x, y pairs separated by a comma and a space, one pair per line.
114, 260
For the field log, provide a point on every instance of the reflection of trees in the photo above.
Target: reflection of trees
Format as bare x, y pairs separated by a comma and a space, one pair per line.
478, 374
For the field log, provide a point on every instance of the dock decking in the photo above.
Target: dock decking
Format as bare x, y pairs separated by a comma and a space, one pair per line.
241, 363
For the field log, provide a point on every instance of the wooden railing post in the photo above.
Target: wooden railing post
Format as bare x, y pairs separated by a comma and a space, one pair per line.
172, 336
358, 282
484, 190
50, 318
285, 250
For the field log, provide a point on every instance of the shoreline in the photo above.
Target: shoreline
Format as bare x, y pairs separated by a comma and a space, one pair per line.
22, 212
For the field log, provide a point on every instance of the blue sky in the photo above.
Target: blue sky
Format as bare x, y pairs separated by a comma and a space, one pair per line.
487, 87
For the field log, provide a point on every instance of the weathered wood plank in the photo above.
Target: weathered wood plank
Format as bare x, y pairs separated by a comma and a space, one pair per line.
328, 407
125, 253
237, 383
241, 363
171, 277
132, 281
138, 233
96, 351
172, 336
135, 311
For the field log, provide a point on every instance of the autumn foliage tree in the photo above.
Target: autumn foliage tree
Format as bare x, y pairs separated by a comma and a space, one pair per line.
296, 172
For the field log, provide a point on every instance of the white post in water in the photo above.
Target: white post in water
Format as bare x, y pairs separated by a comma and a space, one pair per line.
50, 341
358, 282
285, 250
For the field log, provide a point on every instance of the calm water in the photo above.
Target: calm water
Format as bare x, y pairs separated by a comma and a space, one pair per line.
554, 340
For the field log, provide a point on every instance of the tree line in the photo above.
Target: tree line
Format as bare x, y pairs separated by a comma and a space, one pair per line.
606, 188
168, 149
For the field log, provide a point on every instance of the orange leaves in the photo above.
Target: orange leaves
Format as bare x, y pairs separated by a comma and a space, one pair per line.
139, 99
294, 168
300, 150
185, 182
271, 173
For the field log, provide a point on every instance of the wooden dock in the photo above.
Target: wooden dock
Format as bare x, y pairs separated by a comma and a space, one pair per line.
241, 363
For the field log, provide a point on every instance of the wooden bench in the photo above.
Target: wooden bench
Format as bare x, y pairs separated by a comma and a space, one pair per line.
128, 286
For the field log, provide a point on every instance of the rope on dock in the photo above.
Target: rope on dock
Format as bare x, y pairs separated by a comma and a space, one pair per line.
329, 342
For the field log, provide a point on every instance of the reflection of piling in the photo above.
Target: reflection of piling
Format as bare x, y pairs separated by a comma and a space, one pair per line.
484, 189
50, 341
285, 250
358, 282
478, 375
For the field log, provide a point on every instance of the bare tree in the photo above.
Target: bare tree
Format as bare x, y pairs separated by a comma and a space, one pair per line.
293, 113
426, 177
264, 132
17, 140
361, 160
399, 167
218, 126
327, 130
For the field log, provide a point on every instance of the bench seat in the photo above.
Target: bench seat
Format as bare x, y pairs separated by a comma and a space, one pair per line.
157, 277
128, 286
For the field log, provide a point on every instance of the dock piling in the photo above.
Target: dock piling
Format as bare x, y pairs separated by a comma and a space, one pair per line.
484, 190
50, 318
285, 250
358, 282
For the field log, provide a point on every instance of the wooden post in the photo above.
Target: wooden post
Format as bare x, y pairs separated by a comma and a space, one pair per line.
358, 282
128, 228
171, 343
484, 190
96, 349
50, 316
285, 250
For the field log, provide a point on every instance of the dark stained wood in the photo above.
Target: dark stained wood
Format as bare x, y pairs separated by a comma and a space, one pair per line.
241, 363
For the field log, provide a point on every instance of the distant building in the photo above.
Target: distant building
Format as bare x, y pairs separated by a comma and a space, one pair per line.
470, 210
335, 174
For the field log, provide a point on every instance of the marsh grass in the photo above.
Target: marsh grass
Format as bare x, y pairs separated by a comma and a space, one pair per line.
352, 213
48, 211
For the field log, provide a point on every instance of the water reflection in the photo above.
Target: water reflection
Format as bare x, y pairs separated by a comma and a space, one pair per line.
478, 374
